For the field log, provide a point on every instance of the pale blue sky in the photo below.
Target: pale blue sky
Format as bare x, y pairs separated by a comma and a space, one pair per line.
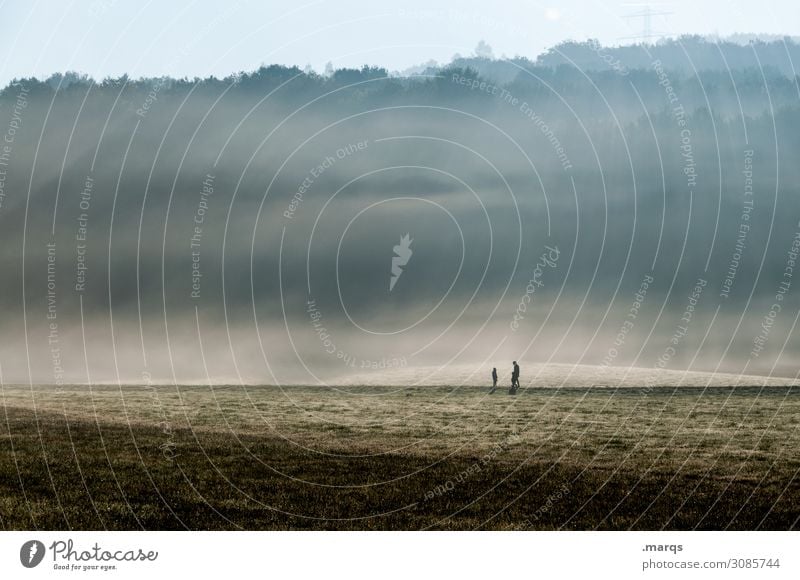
202, 37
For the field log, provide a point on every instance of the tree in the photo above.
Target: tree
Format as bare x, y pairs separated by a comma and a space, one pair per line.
483, 50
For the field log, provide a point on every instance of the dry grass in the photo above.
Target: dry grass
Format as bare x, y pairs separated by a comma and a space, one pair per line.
382, 458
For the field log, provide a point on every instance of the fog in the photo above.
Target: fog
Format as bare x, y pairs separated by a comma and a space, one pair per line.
641, 212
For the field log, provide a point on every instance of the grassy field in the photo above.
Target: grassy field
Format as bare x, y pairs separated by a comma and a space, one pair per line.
407, 458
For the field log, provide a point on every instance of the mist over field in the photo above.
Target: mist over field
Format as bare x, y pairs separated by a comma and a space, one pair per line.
635, 206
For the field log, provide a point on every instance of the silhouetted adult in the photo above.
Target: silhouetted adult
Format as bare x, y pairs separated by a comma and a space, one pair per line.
494, 380
514, 378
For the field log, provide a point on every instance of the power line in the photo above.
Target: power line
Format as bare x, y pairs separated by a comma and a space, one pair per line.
645, 12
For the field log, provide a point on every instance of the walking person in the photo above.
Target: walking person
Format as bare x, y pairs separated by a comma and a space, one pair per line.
514, 379
494, 381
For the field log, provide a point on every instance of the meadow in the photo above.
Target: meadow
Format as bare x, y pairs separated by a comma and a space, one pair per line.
384, 458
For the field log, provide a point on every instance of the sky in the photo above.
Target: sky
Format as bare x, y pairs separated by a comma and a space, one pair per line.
205, 37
